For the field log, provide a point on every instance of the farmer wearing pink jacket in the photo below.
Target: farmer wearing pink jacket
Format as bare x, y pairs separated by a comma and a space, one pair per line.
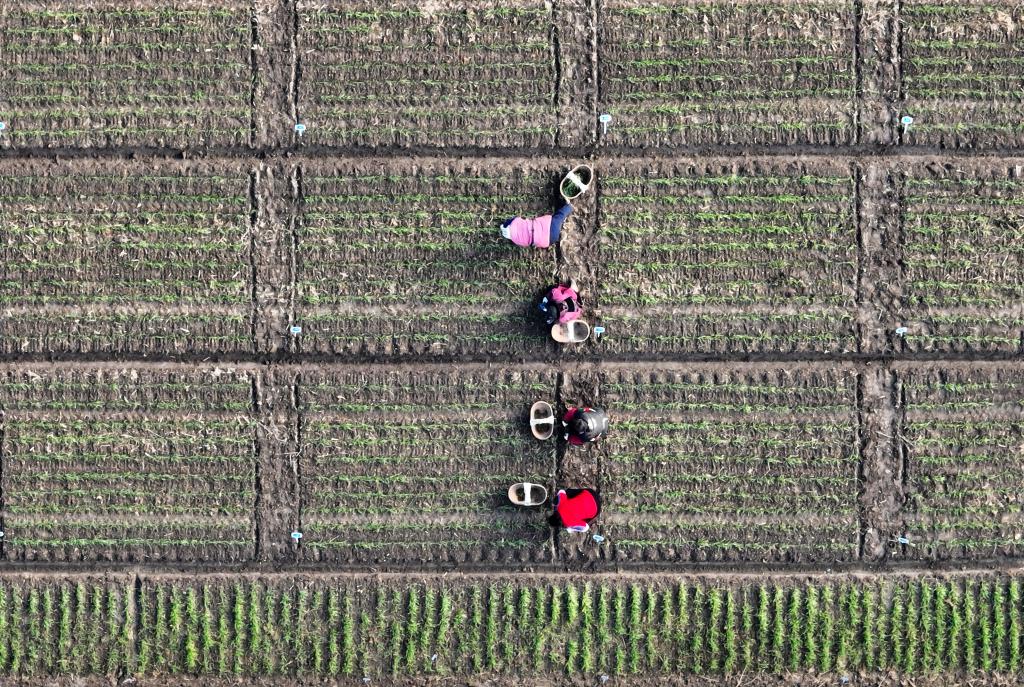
539, 232
561, 304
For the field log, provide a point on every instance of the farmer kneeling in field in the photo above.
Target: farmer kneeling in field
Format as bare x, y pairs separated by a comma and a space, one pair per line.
575, 508
539, 232
561, 304
583, 425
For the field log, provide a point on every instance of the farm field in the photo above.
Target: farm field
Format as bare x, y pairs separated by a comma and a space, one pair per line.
266, 361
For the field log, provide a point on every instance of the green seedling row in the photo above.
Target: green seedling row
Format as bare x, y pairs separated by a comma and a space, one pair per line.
389, 629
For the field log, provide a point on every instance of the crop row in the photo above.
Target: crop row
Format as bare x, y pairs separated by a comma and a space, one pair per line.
328, 627
397, 465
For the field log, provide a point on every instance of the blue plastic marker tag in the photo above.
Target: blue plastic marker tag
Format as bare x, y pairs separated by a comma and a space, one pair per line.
906, 120
598, 331
902, 540
3, 125
598, 538
900, 331
605, 119
296, 536
295, 329
300, 129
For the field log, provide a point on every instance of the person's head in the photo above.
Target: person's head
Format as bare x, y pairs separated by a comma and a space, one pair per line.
589, 424
506, 228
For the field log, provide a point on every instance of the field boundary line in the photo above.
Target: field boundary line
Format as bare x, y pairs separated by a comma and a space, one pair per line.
553, 570
483, 366
3, 481
242, 359
319, 152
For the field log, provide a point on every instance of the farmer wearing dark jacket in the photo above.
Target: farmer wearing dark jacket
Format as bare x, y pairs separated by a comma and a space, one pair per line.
583, 425
539, 232
575, 508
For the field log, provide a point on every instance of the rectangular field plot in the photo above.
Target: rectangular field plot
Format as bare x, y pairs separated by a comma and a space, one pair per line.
406, 466
712, 258
963, 434
727, 73
102, 463
395, 263
107, 75
963, 73
124, 259
411, 73
962, 260
712, 464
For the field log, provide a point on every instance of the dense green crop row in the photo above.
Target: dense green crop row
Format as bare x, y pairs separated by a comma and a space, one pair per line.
334, 627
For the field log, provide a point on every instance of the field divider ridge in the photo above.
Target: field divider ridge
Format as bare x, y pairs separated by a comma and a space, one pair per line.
278, 495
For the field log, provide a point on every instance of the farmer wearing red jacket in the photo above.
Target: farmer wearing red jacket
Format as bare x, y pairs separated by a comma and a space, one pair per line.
583, 425
575, 508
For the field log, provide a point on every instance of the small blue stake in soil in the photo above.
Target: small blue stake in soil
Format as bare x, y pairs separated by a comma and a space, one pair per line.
295, 329
300, 129
296, 536
605, 119
901, 331
906, 121
3, 125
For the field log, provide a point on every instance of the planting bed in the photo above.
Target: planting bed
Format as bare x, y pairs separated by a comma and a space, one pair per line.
726, 257
405, 466
961, 73
960, 259
687, 73
963, 433
108, 75
109, 464
124, 258
481, 74
409, 261
716, 463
